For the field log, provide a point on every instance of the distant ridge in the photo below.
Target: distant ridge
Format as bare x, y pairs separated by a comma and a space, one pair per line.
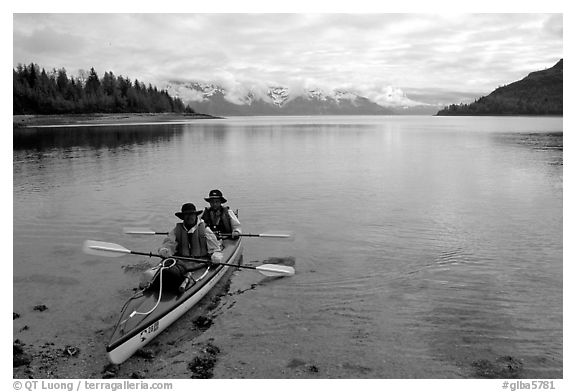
539, 93
215, 99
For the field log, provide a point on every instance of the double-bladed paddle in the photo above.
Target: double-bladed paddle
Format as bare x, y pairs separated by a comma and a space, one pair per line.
146, 231
108, 249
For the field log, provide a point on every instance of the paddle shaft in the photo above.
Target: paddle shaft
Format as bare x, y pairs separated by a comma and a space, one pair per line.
221, 234
108, 249
191, 259
142, 231
239, 235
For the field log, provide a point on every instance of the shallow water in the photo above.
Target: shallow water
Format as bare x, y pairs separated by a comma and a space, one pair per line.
423, 244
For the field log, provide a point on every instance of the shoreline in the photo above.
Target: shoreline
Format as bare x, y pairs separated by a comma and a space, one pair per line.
166, 357
47, 120
498, 115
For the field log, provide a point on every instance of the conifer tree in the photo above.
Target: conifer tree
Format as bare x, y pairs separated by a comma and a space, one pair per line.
36, 91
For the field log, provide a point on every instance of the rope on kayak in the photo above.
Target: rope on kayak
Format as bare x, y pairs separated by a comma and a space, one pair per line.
134, 313
204, 274
142, 290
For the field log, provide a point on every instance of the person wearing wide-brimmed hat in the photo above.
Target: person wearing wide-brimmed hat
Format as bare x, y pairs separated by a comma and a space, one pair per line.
219, 218
190, 238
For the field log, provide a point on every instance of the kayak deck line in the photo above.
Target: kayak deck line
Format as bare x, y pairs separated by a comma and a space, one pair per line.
121, 326
159, 268
132, 333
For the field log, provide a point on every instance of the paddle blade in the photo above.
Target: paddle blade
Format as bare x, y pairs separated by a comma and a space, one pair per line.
106, 249
140, 231
288, 236
275, 270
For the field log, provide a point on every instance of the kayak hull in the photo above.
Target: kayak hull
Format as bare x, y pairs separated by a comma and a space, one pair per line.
134, 330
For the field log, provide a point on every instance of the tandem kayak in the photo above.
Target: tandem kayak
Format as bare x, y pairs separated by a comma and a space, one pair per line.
150, 312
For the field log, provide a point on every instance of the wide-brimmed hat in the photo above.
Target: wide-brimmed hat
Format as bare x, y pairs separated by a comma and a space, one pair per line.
215, 194
188, 208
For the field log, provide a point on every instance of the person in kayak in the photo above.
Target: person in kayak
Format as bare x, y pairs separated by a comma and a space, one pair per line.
190, 238
219, 218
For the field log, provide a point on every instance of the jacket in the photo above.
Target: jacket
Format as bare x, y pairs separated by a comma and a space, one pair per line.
198, 241
222, 220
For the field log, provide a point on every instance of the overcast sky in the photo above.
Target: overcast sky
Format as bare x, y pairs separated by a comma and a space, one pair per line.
432, 58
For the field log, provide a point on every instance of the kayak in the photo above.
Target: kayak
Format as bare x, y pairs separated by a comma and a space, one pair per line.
150, 312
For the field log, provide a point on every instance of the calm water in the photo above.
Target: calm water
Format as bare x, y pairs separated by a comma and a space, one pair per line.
423, 244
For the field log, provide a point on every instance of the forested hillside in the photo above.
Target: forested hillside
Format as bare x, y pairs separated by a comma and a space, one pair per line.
539, 93
36, 91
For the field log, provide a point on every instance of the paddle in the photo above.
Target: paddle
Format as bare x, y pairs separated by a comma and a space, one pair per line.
287, 236
108, 249
142, 231
146, 231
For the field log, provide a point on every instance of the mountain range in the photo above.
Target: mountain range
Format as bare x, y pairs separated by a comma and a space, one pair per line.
213, 99
539, 93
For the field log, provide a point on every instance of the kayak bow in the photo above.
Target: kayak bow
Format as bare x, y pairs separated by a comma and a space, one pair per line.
147, 314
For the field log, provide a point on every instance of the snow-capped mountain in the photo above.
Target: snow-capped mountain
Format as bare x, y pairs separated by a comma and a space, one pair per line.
210, 98
279, 95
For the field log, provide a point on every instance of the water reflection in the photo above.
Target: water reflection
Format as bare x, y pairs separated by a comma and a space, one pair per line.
207, 132
42, 139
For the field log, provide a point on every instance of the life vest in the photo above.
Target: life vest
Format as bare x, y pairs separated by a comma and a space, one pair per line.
191, 245
218, 221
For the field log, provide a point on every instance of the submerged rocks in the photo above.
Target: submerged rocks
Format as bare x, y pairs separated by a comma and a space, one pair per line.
299, 365
503, 367
146, 353
312, 369
203, 322
110, 371
20, 357
211, 350
71, 351
202, 366
40, 308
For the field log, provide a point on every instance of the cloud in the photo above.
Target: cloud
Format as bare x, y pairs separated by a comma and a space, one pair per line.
46, 41
391, 96
387, 54
443, 96
553, 27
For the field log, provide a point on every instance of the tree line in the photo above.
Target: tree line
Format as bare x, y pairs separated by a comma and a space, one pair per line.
506, 106
539, 93
36, 91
